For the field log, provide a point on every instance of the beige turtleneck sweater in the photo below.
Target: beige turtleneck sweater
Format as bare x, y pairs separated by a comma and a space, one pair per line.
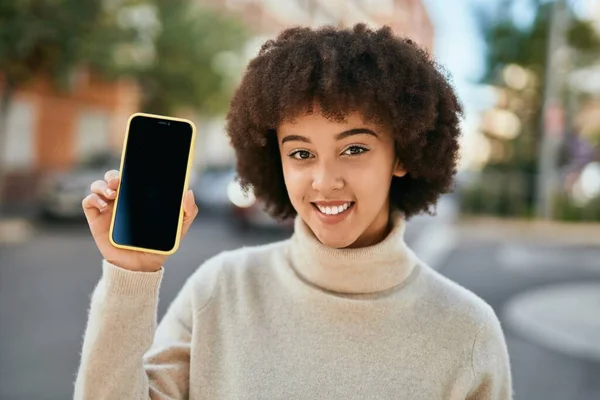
295, 320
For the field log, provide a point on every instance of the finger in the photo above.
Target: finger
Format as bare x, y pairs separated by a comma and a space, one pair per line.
93, 205
190, 210
113, 183
101, 189
189, 203
110, 175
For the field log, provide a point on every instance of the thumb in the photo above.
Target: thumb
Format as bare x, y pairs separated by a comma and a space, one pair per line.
190, 210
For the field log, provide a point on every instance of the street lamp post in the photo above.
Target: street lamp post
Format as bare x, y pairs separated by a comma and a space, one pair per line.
552, 122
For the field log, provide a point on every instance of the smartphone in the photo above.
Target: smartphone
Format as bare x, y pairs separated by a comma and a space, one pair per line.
154, 176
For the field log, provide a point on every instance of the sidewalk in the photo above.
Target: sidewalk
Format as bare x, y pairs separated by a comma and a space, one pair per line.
563, 233
563, 317
16, 224
15, 230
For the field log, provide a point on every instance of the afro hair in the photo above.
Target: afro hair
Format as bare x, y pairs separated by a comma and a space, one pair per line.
388, 79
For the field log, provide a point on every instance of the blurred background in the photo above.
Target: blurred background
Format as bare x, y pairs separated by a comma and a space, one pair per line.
522, 228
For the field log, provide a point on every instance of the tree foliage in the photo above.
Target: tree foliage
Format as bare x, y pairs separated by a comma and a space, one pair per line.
511, 41
184, 71
168, 46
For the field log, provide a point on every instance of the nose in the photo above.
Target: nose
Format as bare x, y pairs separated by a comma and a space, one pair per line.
327, 178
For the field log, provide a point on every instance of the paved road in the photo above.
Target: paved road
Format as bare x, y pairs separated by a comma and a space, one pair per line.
45, 286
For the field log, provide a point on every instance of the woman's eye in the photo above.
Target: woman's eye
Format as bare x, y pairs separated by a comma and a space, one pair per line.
355, 150
301, 155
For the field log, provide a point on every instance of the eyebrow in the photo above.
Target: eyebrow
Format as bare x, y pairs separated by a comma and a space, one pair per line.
340, 136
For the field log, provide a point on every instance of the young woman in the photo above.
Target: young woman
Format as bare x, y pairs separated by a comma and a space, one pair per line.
352, 132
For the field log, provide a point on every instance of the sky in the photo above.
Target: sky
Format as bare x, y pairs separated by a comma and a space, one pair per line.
459, 47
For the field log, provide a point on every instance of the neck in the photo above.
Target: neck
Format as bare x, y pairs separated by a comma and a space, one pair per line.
357, 269
376, 232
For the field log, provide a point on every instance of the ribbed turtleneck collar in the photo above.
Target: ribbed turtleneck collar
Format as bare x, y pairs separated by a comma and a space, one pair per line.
356, 270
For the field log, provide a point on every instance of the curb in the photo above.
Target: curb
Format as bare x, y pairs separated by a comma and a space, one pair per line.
583, 233
545, 257
15, 230
561, 317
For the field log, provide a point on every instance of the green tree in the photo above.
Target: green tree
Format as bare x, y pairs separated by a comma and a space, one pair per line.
510, 42
188, 41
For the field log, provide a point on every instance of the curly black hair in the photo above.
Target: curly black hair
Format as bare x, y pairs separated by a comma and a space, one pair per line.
390, 80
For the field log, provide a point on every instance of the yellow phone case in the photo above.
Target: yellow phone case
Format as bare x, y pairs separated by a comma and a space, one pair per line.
187, 177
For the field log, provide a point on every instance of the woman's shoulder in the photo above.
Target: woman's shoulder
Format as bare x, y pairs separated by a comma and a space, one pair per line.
228, 265
447, 298
249, 257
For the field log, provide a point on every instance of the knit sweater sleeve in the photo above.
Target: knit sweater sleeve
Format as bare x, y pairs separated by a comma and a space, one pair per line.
125, 355
490, 363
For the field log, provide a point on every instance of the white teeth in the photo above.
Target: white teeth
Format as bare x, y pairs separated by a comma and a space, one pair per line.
333, 210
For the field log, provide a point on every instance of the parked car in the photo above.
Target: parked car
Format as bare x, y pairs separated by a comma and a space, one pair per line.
210, 189
60, 194
249, 212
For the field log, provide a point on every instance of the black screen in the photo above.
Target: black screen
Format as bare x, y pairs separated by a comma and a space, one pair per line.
152, 183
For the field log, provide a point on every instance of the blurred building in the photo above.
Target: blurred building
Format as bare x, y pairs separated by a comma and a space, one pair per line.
405, 17
268, 17
49, 130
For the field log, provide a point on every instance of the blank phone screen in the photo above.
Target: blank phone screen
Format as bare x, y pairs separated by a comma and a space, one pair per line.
152, 183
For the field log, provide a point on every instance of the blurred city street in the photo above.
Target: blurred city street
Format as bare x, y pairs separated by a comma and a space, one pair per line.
45, 285
521, 229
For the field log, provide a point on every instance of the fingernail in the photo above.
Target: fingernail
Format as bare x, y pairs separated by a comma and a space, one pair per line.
102, 203
109, 192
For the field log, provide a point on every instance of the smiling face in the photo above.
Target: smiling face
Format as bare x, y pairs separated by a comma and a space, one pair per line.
338, 177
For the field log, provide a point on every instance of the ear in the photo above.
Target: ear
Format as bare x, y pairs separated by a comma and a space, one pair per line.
399, 170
